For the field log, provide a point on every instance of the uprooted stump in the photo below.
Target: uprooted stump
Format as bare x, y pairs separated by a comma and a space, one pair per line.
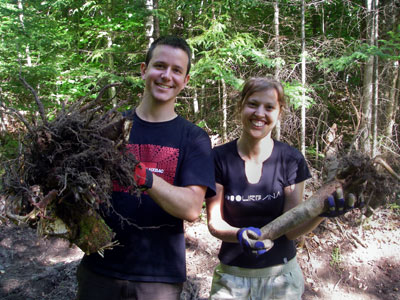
65, 172
357, 175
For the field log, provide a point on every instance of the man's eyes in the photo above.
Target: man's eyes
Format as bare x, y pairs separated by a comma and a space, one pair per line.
163, 67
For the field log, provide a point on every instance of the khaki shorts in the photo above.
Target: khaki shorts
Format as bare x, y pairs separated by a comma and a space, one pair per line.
284, 281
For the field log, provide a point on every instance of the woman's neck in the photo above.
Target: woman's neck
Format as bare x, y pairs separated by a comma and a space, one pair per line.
255, 150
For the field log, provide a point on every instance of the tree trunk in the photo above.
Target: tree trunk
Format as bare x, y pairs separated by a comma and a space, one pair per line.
392, 105
196, 105
300, 214
366, 111
303, 79
110, 56
203, 101
277, 43
150, 22
323, 19
21, 20
376, 84
156, 32
278, 58
224, 111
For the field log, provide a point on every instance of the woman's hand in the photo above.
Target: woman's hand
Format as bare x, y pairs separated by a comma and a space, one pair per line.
248, 239
339, 205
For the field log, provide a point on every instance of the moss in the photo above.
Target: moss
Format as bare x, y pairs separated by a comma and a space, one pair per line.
93, 233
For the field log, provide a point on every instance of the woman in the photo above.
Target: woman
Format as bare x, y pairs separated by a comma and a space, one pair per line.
258, 179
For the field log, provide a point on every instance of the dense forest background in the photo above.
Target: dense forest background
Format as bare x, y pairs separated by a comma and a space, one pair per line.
338, 60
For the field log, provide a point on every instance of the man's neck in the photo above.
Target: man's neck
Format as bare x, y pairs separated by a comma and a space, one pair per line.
156, 112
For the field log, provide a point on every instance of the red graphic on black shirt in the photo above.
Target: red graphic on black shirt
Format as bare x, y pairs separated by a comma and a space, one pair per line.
162, 161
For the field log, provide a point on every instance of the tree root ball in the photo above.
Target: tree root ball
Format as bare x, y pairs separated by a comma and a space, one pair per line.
65, 172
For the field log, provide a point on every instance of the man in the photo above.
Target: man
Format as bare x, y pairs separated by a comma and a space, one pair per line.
175, 171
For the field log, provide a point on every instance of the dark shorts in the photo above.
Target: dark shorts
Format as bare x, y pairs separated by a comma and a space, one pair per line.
92, 286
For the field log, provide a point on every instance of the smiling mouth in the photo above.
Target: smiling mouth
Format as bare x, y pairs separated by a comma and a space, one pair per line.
163, 86
258, 123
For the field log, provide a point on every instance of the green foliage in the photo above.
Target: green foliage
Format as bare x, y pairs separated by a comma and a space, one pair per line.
347, 61
294, 93
8, 147
222, 51
336, 258
202, 124
395, 208
390, 48
312, 152
74, 46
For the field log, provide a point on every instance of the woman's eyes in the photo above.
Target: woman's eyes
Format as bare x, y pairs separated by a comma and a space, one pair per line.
254, 104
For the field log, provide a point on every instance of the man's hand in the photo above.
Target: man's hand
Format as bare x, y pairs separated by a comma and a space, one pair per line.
247, 238
339, 206
143, 177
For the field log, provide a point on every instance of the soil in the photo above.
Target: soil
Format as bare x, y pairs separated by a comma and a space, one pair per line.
341, 259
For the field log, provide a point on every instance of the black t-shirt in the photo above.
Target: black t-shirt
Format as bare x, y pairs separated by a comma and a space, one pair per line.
152, 246
246, 204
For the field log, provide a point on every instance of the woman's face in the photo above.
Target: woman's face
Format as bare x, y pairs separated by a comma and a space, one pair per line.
260, 113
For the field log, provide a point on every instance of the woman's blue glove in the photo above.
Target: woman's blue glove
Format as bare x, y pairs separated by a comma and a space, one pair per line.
247, 238
337, 205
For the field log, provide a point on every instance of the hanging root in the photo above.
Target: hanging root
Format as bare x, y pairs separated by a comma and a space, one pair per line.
106, 247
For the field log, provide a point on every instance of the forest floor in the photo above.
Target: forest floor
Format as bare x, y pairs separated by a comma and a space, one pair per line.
340, 260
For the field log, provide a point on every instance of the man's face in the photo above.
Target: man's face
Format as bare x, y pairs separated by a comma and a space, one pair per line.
165, 75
